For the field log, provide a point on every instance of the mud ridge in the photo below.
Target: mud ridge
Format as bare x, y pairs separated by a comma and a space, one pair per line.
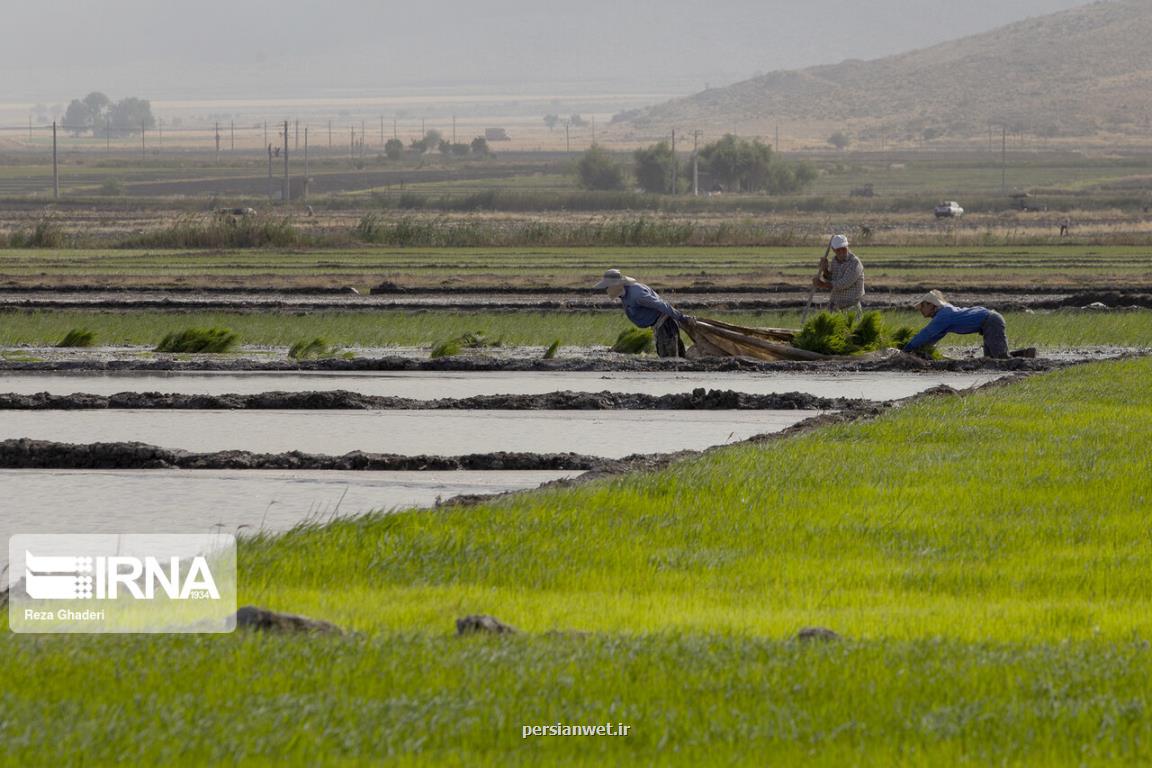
699, 399
606, 364
25, 453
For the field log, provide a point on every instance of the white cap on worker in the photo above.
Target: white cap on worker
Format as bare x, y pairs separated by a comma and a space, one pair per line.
613, 277
838, 242
932, 297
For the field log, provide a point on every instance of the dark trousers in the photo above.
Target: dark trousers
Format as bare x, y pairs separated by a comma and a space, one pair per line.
667, 333
995, 336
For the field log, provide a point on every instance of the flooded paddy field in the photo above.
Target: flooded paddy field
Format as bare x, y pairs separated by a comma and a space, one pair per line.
176, 501
607, 434
884, 385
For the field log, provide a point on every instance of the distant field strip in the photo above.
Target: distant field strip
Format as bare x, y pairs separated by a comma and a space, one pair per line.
993, 264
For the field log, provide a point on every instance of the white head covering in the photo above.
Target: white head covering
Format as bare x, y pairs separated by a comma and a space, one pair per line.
613, 277
838, 242
933, 297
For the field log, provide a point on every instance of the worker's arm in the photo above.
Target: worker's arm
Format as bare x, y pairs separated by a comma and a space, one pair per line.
931, 333
649, 299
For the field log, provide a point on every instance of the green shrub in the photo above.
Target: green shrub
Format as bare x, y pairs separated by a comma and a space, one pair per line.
199, 340
78, 337
634, 341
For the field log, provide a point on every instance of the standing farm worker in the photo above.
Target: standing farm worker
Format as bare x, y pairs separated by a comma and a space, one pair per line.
842, 276
646, 309
949, 319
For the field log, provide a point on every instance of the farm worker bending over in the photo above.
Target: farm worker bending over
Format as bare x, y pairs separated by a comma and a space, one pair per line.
843, 276
646, 309
949, 319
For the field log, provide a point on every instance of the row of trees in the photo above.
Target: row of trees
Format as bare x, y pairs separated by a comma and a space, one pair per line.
738, 165
433, 140
97, 114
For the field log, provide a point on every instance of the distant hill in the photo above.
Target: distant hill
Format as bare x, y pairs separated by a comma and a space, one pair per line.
1082, 72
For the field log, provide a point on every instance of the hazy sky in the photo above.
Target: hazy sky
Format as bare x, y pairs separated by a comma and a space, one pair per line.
162, 49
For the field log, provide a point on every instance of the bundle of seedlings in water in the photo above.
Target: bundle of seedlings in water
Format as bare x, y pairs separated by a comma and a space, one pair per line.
469, 340
310, 350
78, 337
840, 333
550, 353
634, 341
213, 340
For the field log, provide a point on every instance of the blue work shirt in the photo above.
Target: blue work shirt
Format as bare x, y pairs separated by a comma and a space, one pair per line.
644, 306
949, 319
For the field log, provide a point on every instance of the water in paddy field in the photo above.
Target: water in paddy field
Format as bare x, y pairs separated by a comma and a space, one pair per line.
609, 434
202, 501
432, 385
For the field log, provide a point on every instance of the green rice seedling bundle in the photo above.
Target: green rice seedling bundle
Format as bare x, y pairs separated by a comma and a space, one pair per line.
634, 341
213, 340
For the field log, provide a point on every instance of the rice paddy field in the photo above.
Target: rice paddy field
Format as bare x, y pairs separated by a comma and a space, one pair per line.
985, 559
1052, 330
947, 266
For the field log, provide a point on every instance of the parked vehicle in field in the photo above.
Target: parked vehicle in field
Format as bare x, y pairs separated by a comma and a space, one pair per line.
949, 209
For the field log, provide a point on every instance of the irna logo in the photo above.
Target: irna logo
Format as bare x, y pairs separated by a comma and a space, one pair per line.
121, 582
104, 578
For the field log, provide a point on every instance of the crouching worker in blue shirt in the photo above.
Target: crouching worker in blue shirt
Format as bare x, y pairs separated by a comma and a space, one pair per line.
949, 319
646, 309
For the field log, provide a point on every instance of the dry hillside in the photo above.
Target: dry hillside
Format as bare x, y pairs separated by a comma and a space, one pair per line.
1076, 73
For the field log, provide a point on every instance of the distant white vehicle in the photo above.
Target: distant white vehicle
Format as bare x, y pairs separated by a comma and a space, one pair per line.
948, 210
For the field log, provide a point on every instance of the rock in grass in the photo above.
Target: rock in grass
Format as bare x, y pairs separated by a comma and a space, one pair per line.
817, 635
481, 624
264, 620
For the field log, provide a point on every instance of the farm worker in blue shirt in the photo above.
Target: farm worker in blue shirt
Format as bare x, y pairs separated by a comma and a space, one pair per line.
646, 309
949, 319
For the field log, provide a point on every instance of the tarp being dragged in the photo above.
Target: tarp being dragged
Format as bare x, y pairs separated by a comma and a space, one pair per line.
712, 338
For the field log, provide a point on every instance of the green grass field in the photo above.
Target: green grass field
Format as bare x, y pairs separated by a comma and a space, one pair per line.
425, 328
663, 267
987, 558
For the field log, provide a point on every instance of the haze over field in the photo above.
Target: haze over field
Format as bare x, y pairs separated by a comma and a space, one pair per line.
260, 48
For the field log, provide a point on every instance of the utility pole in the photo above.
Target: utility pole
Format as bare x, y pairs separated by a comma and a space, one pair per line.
363, 135
304, 190
285, 194
55, 166
271, 193
696, 163
1004, 160
674, 161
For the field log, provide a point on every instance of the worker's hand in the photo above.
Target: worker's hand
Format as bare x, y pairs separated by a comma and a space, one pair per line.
817, 282
688, 320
